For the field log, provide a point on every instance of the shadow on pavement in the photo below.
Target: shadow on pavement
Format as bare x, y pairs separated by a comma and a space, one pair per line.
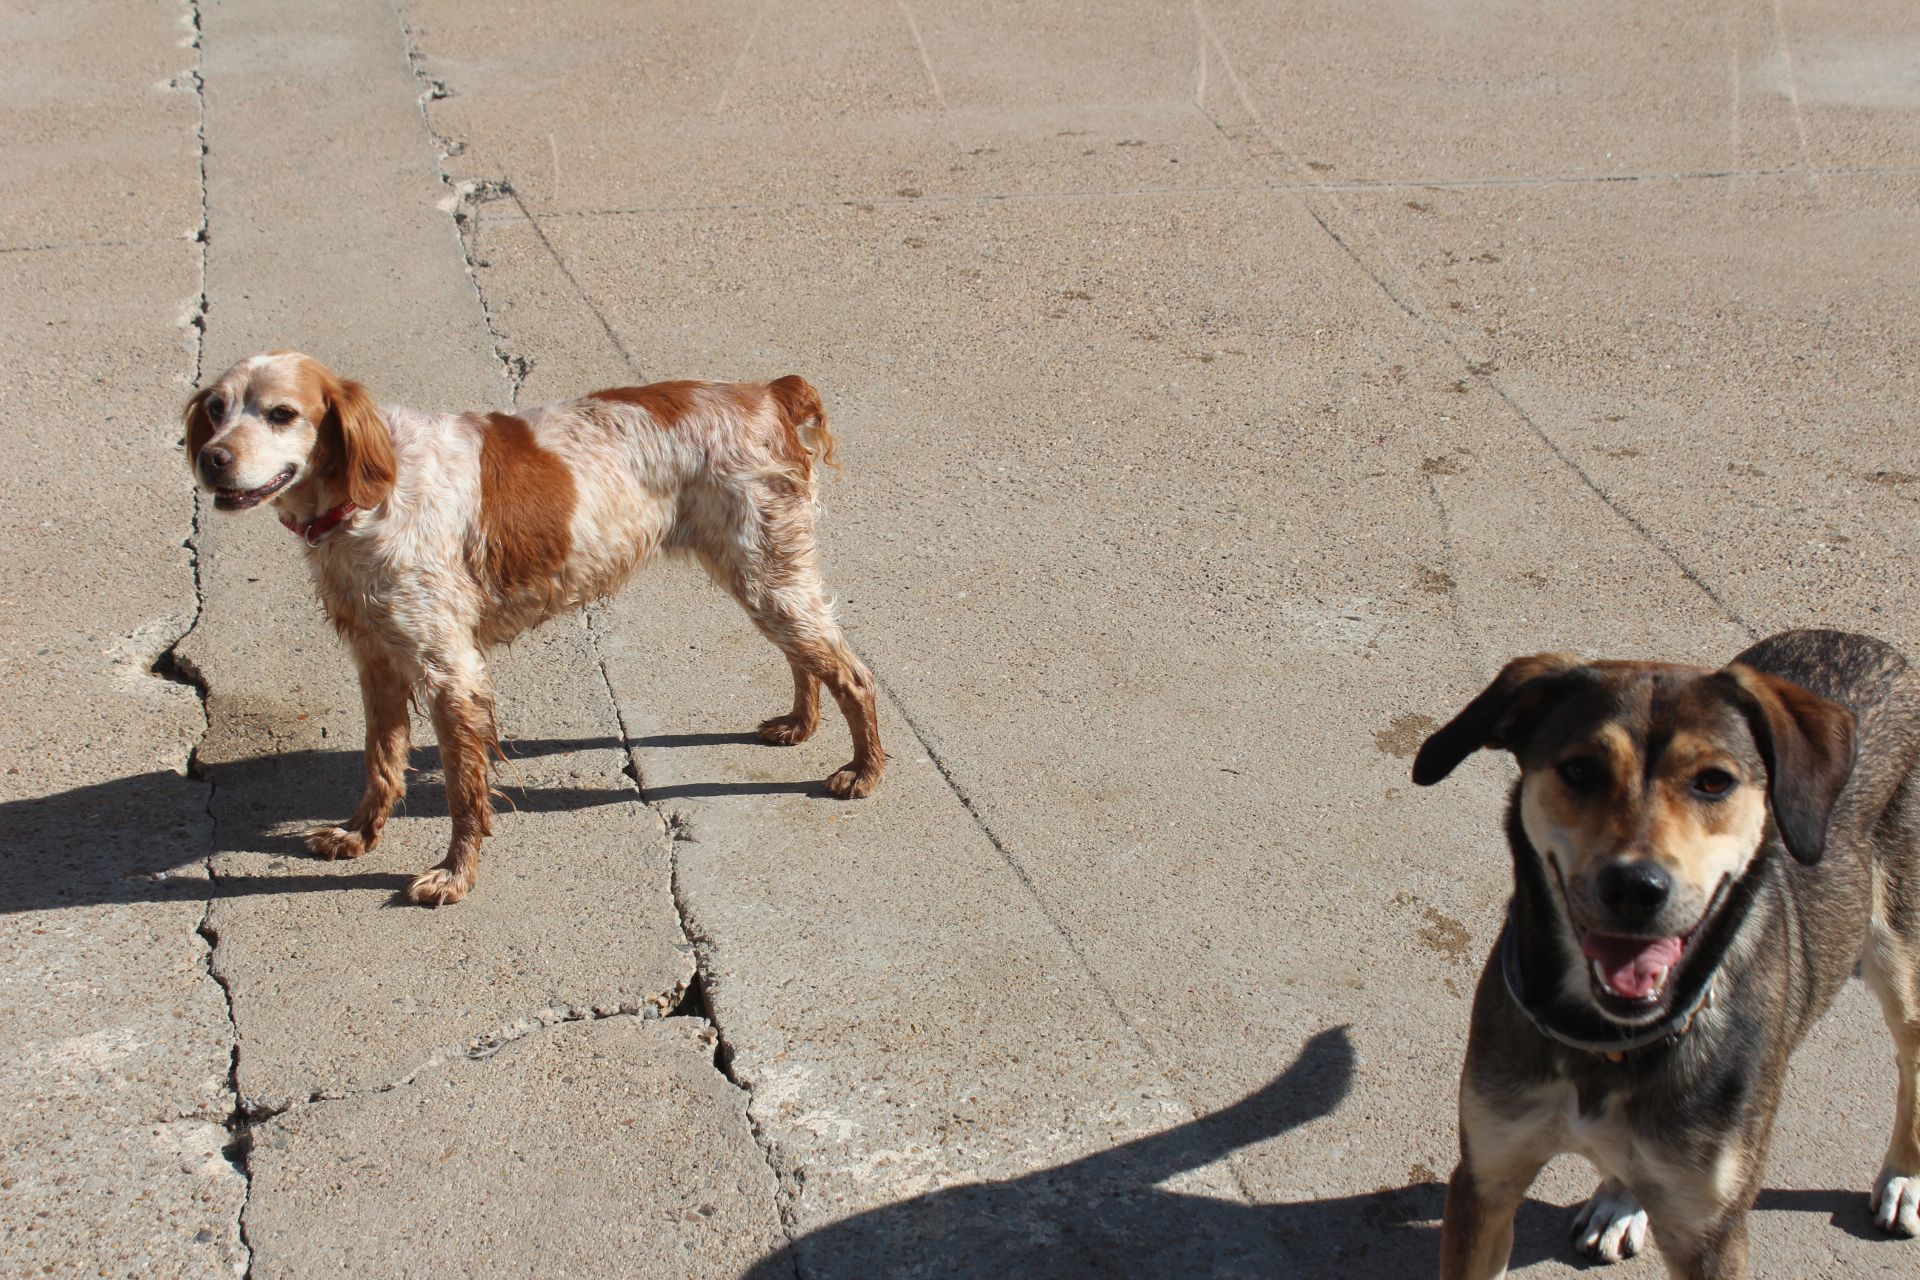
1106, 1215
124, 840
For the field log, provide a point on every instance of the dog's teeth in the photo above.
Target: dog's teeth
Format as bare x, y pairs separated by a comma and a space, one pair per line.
1599, 974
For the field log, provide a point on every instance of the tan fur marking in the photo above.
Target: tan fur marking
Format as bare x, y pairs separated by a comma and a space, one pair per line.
527, 499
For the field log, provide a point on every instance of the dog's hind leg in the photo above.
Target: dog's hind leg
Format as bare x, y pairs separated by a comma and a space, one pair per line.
798, 620
770, 568
383, 697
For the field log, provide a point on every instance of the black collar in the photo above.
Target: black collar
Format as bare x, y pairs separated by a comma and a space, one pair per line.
1579, 1026
1551, 1021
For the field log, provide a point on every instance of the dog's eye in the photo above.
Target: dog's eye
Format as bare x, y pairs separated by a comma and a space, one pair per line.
1580, 773
216, 408
1713, 783
281, 414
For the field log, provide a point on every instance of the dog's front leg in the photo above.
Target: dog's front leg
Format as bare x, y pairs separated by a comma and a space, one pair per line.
1476, 1234
1500, 1155
1711, 1250
383, 698
463, 720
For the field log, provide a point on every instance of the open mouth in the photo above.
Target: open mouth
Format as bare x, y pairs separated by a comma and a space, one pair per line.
1631, 975
1632, 970
241, 499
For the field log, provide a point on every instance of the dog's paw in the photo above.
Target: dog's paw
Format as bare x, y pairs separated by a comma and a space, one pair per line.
333, 843
854, 784
1611, 1225
1896, 1203
438, 887
785, 731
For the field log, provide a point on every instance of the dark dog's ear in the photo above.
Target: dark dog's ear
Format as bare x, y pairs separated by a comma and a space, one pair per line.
366, 446
1488, 719
199, 425
1808, 745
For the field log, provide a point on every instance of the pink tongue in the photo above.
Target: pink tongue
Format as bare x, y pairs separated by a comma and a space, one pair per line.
1632, 965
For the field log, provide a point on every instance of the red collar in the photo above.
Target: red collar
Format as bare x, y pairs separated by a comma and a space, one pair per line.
314, 531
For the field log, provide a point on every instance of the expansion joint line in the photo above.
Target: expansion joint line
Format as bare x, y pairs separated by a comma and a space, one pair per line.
1440, 337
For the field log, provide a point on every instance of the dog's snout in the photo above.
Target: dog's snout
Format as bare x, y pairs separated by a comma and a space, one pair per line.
215, 459
1634, 890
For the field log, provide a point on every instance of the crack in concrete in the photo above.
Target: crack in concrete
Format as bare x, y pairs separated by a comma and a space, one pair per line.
1384, 185
172, 665
580, 290
78, 244
463, 204
694, 997
1227, 189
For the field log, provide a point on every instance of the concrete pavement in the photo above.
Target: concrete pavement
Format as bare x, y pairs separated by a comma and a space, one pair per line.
1225, 391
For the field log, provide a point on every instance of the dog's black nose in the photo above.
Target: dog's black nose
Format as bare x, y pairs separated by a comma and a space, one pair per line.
1634, 890
214, 459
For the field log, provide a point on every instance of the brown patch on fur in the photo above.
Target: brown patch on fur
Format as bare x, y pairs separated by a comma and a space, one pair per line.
799, 403
527, 500
668, 402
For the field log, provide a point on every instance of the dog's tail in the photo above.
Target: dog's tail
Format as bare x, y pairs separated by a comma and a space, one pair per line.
805, 416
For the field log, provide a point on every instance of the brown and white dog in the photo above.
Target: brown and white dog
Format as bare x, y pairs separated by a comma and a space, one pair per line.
432, 536
1700, 859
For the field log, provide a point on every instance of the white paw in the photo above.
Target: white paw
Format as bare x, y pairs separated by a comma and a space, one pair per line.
1610, 1226
1896, 1203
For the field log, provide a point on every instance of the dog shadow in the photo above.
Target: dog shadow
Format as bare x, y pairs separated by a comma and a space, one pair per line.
1113, 1213
144, 838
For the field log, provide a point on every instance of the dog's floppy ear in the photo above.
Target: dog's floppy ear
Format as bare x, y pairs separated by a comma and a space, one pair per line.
1488, 719
199, 425
1807, 743
366, 446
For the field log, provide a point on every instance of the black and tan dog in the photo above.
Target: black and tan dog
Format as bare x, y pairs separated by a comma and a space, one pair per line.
1700, 859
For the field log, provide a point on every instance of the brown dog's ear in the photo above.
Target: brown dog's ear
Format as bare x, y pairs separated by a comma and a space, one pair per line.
366, 446
1488, 719
199, 425
1807, 743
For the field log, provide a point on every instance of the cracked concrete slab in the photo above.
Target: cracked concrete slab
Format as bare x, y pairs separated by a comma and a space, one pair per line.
97, 114
336, 988
602, 1148
114, 1041
1189, 482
